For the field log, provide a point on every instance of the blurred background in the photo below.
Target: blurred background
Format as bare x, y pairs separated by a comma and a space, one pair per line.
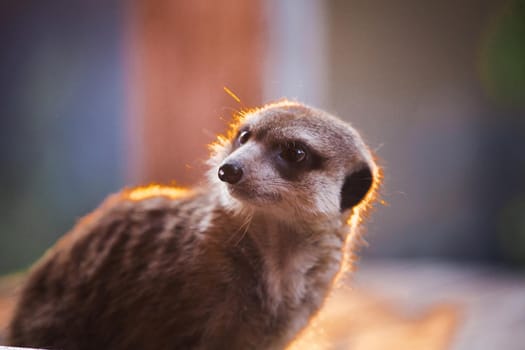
99, 95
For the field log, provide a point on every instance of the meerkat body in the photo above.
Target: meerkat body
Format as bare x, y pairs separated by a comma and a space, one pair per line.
242, 262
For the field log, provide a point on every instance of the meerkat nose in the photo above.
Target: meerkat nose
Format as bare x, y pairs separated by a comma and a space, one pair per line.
230, 173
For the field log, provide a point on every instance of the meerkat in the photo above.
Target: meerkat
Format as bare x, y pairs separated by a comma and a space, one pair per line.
241, 262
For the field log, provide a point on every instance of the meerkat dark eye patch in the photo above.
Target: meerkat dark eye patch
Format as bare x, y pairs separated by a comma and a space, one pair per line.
355, 187
293, 152
294, 158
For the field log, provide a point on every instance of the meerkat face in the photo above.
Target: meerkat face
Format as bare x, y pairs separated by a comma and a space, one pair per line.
289, 158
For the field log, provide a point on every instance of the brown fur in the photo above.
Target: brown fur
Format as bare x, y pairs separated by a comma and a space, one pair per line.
208, 269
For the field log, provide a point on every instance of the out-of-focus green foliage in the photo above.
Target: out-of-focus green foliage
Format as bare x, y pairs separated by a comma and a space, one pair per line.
503, 59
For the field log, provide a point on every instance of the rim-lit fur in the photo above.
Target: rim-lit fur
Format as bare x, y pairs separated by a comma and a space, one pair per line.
242, 263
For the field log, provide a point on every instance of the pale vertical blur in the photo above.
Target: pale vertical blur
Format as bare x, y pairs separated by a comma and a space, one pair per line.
182, 56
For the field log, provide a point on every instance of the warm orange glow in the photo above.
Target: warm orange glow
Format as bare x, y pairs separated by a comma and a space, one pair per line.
354, 240
9, 290
229, 92
358, 319
284, 102
155, 190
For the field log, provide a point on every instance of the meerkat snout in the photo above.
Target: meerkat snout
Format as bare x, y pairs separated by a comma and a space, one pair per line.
230, 173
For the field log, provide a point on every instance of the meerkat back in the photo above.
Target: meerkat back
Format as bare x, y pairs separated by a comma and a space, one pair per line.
240, 262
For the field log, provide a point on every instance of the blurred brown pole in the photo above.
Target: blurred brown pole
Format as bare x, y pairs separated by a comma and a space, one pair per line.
180, 56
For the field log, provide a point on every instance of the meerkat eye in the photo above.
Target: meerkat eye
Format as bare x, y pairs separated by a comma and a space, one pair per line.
293, 153
244, 136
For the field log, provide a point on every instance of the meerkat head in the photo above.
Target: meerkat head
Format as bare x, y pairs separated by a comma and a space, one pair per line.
292, 160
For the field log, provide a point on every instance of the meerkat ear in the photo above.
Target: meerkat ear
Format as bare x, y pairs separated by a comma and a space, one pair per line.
355, 187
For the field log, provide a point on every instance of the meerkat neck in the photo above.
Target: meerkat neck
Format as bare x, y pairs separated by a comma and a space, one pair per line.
295, 260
